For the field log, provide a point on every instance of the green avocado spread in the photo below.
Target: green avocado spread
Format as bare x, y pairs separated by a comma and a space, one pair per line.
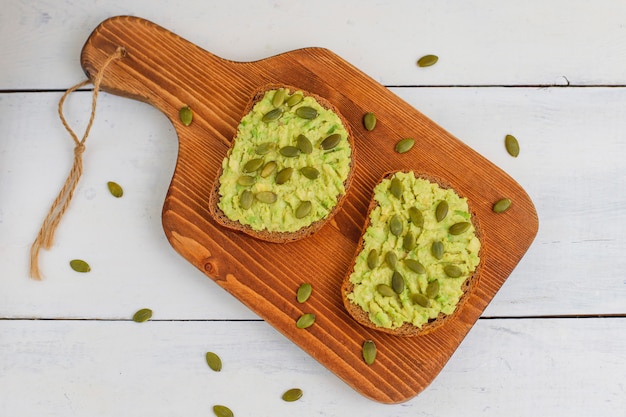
281, 174
388, 283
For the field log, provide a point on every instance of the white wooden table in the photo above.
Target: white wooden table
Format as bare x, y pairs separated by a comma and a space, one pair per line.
553, 340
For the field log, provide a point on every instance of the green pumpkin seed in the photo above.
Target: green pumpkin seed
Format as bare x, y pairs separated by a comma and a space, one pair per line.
441, 211
427, 61
295, 99
264, 148
268, 168
186, 115
222, 411
284, 175
396, 188
310, 172
142, 315
369, 121
432, 289
303, 209
397, 282
304, 292
369, 352
391, 259
279, 97
385, 290
502, 205
306, 112
304, 144
272, 115
305, 321
214, 361
246, 199
395, 225
115, 189
331, 141
253, 165
372, 259
266, 197
408, 242
437, 249
452, 271
416, 217
421, 300
289, 151
293, 394
79, 265
458, 228
246, 180
405, 145
512, 145
415, 266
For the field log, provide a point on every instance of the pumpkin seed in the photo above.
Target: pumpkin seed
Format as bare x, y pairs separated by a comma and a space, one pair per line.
310, 172
115, 189
458, 228
385, 290
305, 321
369, 121
395, 225
502, 205
432, 289
253, 165
408, 242
289, 151
396, 187
427, 61
268, 168
79, 265
279, 97
214, 361
284, 175
295, 99
272, 115
304, 144
372, 259
222, 411
391, 259
369, 352
441, 211
415, 266
266, 197
416, 217
306, 112
293, 394
304, 292
142, 315
405, 145
246, 180
303, 209
421, 299
331, 141
437, 249
186, 115
246, 199
264, 148
397, 282
512, 145
452, 271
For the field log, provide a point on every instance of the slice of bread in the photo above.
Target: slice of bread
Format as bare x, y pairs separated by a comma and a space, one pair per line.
263, 221
364, 307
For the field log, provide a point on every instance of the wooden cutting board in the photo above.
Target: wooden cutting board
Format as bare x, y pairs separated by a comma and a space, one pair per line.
169, 72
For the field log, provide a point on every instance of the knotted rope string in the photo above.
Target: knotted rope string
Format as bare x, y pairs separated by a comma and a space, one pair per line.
45, 237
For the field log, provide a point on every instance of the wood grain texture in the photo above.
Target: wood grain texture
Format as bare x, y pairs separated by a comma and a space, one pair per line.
168, 72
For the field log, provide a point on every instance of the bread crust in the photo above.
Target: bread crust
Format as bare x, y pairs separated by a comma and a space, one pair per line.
282, 237
407, 329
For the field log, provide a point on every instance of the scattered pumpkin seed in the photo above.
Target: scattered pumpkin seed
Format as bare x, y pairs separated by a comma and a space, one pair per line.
186, 115
266, 197
264, 148
397, 282
331, 141
306, 320
79, 265
304, 144
289, 151
441, 211
437, 249
372, 259
284, 175
222, 411
246, 199
310, 172
427, 60
303, 209
416, 217
306, 112
385, 290
253, 165
214, 361
405, 145
304, 292
295, 99
369, 352
279, 97
395, 225
512, 145
293, 394
432, 289
142, 315
408, 242
246, 180
272, 115
115, 189
502, 205
268, 168
396, 187
452, 271
369, 121
415, 266
391, 259
421, 299
458, 228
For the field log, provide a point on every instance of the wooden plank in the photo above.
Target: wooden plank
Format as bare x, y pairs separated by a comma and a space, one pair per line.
102, 368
